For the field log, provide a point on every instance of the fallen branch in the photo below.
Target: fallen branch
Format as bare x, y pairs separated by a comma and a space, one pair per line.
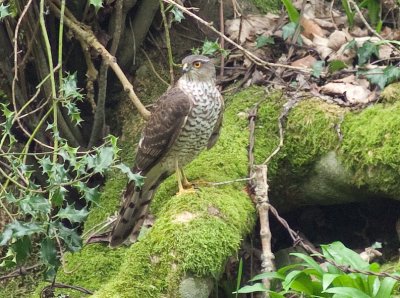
85, 34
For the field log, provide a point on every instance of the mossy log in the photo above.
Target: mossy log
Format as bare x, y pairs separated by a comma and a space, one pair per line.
330, 155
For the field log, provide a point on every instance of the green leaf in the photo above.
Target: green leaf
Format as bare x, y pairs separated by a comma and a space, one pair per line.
292, 11
70, 237
298, 281
269, 275
139, 180
90, 194
258, 287
344, 256
392, 73
386, 288
351, 45
97, 4
263, 40
336, 65
34, 205
22, 248
102, 161
239, 277
4, 12
48, 254
310, 261
374, 10
288, 31
317, 67
327, 279
375, 76
346, 292
72, 214
178, 14
366, 51
349, 13
210, 48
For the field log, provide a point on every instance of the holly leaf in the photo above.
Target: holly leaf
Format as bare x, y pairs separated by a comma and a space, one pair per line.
18, 230
70, 238
97, 4
35, 205
131, 176
72, 214
210, 47
263, 40
22, 248
102, 160
178, 14
366, 51
90, 194
4, 12
48, 254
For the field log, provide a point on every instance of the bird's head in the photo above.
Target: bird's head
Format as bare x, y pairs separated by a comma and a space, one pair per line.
198, 67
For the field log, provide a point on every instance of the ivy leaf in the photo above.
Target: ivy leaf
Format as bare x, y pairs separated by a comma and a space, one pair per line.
366, 51
131, 176
317, 67
72, 214
375, 76
288, 31
392, 73
9, 260
97, 4
4, 12
178, 14
263, 40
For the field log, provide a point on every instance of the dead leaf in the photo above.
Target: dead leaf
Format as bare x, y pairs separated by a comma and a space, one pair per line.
306, 62
321, 46
353, 93
337, 39
311, 29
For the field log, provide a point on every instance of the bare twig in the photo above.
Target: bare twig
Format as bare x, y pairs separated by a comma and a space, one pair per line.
20, 271
259, 186
85, 34
249, 54
153, 69
168, 44
64, 286
222, 29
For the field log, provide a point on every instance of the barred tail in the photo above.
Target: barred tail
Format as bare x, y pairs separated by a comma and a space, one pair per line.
133, 213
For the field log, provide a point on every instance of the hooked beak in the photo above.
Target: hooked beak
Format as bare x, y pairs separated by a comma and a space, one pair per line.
186, 67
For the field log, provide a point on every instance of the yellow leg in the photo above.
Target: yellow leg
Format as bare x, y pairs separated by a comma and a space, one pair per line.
180, 176
185, 182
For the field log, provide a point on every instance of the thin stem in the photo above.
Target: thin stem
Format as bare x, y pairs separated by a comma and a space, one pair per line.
168, 42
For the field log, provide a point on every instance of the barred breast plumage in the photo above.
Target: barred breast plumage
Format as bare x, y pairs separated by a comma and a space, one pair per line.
195, 134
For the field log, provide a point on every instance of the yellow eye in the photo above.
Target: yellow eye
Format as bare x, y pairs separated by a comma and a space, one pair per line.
197, 64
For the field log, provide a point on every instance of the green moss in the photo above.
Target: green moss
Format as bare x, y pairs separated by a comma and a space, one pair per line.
309, 134
180, 241
267, 5
370, 148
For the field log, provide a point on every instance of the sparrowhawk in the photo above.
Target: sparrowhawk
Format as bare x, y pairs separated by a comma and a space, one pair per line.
186, 120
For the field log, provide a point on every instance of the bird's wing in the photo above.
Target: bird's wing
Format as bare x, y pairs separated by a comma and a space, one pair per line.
215, 134
163, 127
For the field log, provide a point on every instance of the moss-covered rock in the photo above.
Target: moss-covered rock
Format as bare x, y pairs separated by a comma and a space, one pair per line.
193, 234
